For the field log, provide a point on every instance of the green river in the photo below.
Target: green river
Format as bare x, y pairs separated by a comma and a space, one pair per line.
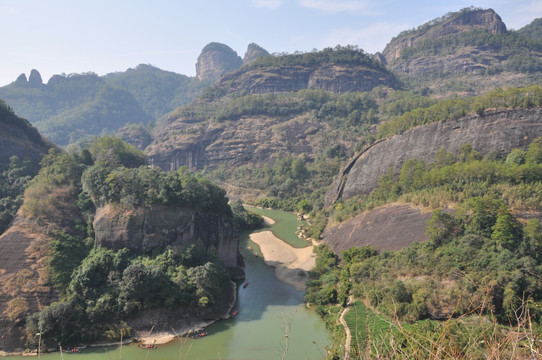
268, 310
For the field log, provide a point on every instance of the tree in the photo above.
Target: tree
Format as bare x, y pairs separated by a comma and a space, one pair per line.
533, 236
534, 152
507, 232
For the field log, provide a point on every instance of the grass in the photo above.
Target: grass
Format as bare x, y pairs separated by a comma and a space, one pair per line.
285, 226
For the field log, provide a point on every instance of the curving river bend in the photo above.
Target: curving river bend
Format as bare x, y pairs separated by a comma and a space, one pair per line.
268, 311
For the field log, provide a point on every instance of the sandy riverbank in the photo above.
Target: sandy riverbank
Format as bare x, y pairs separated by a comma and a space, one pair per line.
291, 264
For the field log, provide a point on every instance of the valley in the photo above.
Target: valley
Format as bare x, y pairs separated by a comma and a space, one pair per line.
134, 200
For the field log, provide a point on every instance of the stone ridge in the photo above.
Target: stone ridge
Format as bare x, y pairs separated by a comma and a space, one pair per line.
497, 130
330, 77
477, 19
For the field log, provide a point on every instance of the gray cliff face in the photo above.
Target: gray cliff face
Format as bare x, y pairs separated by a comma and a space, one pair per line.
215, 60
144, 229
500, 131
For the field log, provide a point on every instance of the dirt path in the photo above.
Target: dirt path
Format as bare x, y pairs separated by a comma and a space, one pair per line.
348, 334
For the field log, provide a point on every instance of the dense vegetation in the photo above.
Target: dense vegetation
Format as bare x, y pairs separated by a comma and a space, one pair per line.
13, 181
21, 147
479, 258
71, 107
100, 287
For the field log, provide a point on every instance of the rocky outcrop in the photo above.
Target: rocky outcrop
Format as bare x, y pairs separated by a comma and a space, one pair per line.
330, 77
21, 79
390, 227
462, 21
143, 229
254, 51
35, 78
215, 60
497, 130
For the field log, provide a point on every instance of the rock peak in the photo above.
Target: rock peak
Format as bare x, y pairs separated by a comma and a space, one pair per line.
35, 78
215, 60
452, 23
254, 51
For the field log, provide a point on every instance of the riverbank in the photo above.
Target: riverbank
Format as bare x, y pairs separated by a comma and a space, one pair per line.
291, 264
185, 325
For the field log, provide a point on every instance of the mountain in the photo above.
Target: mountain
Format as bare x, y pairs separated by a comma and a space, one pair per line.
71, 107
157, 91
469, 52
20, 138
270, 106
215, 60
532, 30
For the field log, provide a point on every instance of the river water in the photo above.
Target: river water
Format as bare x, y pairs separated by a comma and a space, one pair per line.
272, 320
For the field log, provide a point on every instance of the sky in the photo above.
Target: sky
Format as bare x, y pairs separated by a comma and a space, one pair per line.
105, 36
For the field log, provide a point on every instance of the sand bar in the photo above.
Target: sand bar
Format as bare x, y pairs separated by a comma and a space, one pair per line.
291, 264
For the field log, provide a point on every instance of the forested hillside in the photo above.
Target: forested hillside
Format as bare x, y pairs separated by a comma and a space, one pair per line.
21, 150
97, 289
480, 266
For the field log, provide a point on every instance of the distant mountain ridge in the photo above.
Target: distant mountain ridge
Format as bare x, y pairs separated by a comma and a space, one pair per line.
69, 108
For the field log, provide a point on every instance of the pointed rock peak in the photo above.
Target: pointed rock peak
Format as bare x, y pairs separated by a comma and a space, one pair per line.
21, 78
35, 78
215, 60
254, 51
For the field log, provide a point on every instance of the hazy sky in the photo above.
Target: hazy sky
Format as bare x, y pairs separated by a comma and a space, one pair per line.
103, 36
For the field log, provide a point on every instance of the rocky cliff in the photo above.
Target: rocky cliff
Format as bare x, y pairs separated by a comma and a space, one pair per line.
452, 24
251, 140
497, 130
337, 78
215, 60
143, 229
465, 53
253, 52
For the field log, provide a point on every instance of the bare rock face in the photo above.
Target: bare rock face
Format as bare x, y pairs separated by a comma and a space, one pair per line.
500, 130
144, 229
254, 51
215, 60
465, 21
390, 227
